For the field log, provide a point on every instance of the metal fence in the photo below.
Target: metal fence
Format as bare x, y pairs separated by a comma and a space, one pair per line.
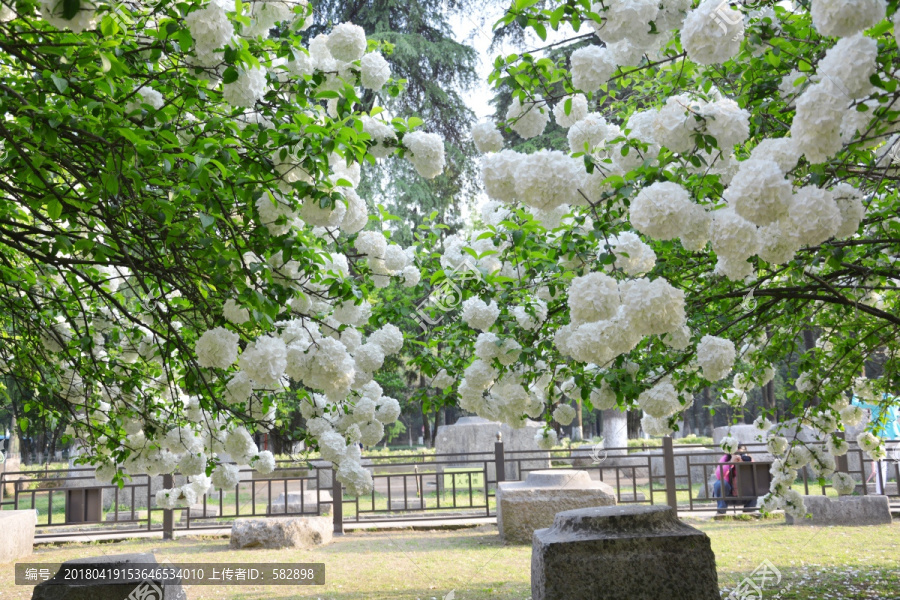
407, 487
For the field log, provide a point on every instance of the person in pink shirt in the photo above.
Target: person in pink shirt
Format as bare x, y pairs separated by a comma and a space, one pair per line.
724, 485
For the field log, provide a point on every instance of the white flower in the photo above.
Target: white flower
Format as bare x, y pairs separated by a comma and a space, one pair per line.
727, 122
712, 32
381, 132
593, 297
389, 338
217, 348
842, 18
850, 63
240, 445
369, 357
734, 397
192, 463
729, 444
817, 122
528, 120
592, 66
498, 174
250, 86
674, 124
564, 414
85, 18
778, 242
147, 96
733, 237
264, 361
443, 380
652, 307
347, 42
578, 109
625, 19
852, 415
762, 423
815, 215
235, 313
225, 477
662, 211
167, 498
265, 462
6, 13
426, 153
546, 439
843, 484
374, 71
656, 427
588, 133
275, 211
547, 179
487, 137
388, 410
660, 401
759, 192
372, 244
530, 320
794, 504
603, 398
783, 151
715, 356
836, 446
477, 314
868, 442
632, 255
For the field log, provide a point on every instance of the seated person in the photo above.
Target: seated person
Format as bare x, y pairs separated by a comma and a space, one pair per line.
724, 484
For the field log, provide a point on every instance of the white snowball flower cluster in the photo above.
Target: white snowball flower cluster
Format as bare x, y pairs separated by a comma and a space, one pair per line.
871, 445
225, 477
632, 255
547, 179
675, 123
247, 89
240, 445
843, 18
235, 313
478, 314
546, 439
275, 212
734, 239
712, 32
716, 357
210, 29
84, 19
426, 153
564, 414
625, 19
371, 244
347, 42
759, 192
374, 71
217, 348
498, 175
815, 215
727, 122
593, 297
592, 66
264, 361
653, 307
588, 133
661, 401
530, 317
664, 211
529, 119
577, 107
843, 484
816, 127
849, 64
656, 427
487, 137
729, 444
783, 151
381, 133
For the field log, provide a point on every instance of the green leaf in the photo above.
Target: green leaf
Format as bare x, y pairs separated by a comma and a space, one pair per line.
54, 209
230, 75
206, 221
540, 30
61, 83
70, 8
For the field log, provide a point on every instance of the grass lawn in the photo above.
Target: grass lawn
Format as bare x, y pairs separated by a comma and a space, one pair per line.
815, 563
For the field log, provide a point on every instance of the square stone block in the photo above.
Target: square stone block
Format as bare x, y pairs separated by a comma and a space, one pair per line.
16, 534
845, 510
282, 532
622, 553
136, 588
525, 506
302, 503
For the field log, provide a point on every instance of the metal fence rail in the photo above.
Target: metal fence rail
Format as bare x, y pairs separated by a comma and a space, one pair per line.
407, 487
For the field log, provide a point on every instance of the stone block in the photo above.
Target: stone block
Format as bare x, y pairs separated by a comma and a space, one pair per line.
411, 503
126, 515
622, 553
302, 502
17, 537
281, 532
525, 506
196, 512
844, 510
51, 590
475, 434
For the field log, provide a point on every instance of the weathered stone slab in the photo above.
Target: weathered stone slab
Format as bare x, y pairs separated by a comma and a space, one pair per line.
622, 553
475, 434
282, 532
302, 502
525, 506
47, 590
844, 510
411, 503
196, 512
126, 515
16, 534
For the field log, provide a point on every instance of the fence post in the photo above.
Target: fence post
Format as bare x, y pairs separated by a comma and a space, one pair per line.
337, 506
500, 463
168, 514
843, 465
669, 468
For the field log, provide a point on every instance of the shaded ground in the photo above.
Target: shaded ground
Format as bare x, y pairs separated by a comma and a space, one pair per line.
814, 563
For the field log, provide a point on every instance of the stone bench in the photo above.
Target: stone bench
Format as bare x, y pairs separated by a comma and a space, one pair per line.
282, 532
525, 506
136, 588
844, 510
17, 537
622, 553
